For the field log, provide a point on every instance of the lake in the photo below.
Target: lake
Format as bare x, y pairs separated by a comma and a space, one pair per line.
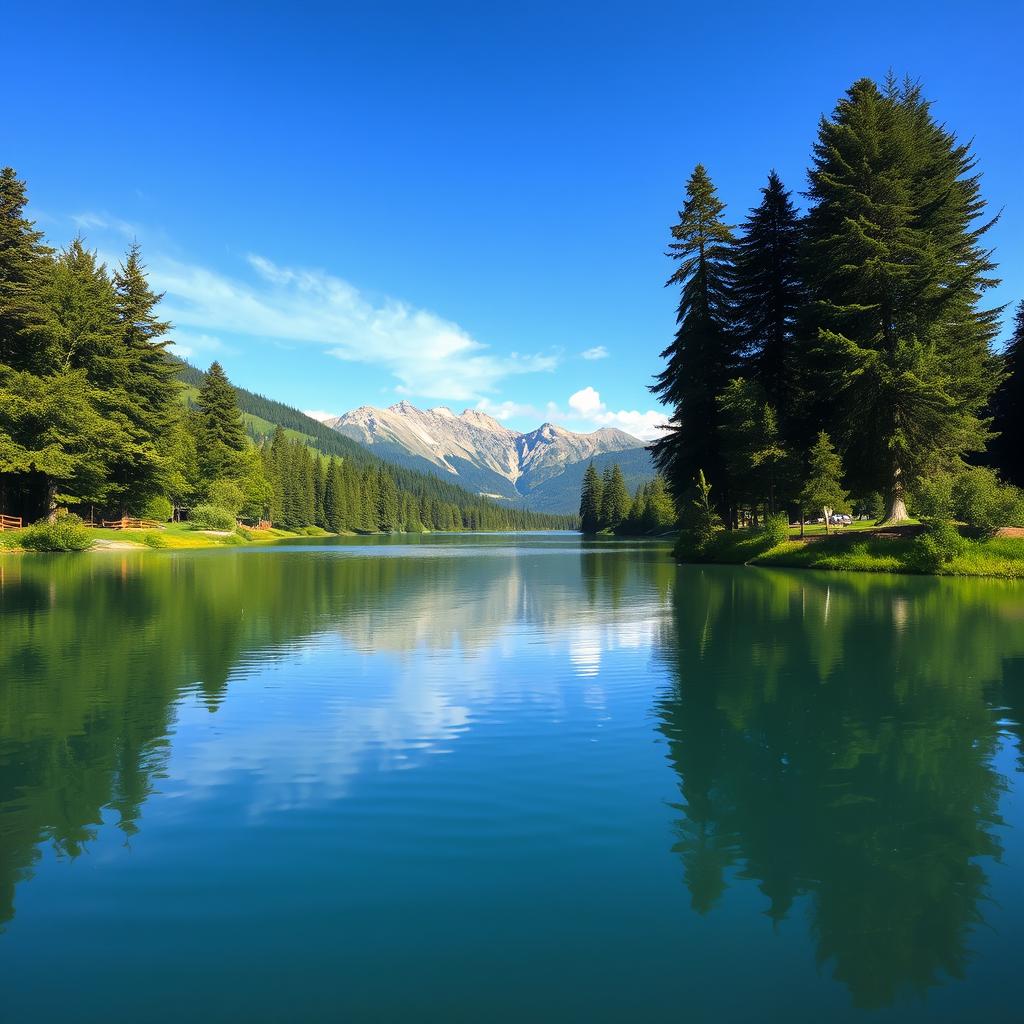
483, 778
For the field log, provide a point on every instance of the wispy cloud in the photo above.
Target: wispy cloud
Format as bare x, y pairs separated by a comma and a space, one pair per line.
91, 221
426, 354
597, 352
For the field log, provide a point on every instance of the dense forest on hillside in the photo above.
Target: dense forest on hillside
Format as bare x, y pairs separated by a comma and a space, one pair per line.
96, 416
843, 356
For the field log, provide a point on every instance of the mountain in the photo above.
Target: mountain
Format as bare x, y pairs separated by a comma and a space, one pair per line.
263, 415
538, 469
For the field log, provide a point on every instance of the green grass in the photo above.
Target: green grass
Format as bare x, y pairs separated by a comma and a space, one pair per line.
1000, 556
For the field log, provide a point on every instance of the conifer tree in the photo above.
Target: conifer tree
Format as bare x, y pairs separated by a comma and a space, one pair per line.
590, 501
896, 272
823, 488
705, 351
615, 499
769, 290
1008, 406
222, 434
24, 267
699, 519
152, 384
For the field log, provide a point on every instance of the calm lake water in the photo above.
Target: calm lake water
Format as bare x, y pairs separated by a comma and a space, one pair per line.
505, 778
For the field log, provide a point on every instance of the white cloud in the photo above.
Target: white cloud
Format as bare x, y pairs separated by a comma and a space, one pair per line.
586, 405
90, 221
597, 352
427, 355
319, 414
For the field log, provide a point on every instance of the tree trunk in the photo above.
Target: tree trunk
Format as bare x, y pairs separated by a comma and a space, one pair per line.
801, 524
895, 503
824, 513
51, 500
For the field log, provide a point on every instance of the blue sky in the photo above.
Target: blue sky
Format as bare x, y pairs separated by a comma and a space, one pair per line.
457, 204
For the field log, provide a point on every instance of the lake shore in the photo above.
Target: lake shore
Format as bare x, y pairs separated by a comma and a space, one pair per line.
1001, 556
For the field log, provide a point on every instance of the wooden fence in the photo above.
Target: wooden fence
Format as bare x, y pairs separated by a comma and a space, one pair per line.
10, 523
125, 523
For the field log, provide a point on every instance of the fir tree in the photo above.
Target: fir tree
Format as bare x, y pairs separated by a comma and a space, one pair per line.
1008, 406
705, 351
222, 434
699, 519
823, 488
769, 290
152, 383
615, 499
590, 501
896, 271
24, 267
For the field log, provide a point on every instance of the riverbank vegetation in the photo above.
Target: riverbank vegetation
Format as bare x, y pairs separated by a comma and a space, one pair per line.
842, 359
95, 418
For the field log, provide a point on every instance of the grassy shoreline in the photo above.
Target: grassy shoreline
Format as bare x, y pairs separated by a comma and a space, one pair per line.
1000, 557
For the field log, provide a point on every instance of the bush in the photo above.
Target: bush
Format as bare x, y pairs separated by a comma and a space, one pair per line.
226, 494
775, 530
155, 540
66, 533
932, 498
936, 547
210, 517
158, 508
982, 501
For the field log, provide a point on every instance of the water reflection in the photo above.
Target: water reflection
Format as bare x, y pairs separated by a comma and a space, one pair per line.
833, 740
834, 737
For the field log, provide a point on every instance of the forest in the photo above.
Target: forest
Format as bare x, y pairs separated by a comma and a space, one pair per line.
842, 357
98, 418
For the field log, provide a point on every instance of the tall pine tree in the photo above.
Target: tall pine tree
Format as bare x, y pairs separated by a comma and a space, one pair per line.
705, 351
222, 434
896, 271
1008, 406
769, 291
590, 501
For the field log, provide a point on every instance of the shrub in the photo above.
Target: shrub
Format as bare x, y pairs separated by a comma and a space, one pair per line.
158, 508
155, 540
65, 533
210, 517
982, 501
933, 497
226, 494
775, 530
936, 547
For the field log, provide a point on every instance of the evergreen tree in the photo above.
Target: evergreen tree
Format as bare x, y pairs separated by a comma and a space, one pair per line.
1008, 406
591, 501
615, 499
387, 501
896, 272
660, 510
699, 519
151, 382
705, 352
823, 488
769, 290
222, 434
24, 268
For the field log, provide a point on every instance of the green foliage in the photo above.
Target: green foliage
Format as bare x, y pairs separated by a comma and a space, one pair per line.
155, 540
936, 547
704, 354
221, 434
775, 530
210, 517
615, 499
65, 533
823, 487
933, 497
158, 508
591, 497
1008, 408
980, 500
225, 494
699, 520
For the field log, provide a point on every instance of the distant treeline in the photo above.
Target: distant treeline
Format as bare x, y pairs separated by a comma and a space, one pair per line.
606, 504
92, 416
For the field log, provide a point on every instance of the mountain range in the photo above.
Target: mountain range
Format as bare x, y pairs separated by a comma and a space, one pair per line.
541, 469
